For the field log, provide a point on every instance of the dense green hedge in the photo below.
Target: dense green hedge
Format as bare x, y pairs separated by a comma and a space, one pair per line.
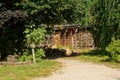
113, 50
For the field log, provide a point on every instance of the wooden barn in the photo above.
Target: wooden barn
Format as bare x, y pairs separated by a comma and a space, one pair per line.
72, 36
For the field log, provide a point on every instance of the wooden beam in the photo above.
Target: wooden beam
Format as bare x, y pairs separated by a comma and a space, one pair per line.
76, 38
72, 38
66, 38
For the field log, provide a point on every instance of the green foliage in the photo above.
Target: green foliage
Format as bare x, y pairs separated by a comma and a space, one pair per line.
26, 56
104, 16
57, 11
106, 22
96, 57
31, 13
81, 11
39, 54
12, 21
43, 11
11, 38
35, 35
113, 50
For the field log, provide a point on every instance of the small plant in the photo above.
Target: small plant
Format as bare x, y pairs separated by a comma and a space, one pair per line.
113, 50
34, 38
25, 57
39, 54
28, 57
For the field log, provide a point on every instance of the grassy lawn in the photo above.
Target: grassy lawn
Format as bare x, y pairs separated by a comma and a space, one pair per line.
26, 72
98, 58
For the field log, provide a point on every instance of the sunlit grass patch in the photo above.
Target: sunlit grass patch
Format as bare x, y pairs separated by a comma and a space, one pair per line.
26, 72
97, 57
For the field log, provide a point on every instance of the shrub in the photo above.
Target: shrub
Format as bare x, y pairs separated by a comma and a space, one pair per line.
39, 54
113, 50
28, 57
25, 56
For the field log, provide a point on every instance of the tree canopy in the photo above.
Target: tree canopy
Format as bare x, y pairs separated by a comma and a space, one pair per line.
57, 11
11, 26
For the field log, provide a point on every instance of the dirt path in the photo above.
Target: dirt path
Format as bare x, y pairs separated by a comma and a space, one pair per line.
76, 70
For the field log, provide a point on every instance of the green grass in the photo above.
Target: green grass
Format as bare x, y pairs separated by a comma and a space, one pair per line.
97, 57
27, 72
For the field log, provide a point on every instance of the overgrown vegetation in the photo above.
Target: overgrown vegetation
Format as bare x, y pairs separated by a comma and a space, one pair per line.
113, 50
106, 22
27, 72
22, 32
27, 55
11, 28
17, 16
35, 37
96, 57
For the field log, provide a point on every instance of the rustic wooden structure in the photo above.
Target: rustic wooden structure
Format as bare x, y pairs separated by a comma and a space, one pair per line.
72, 36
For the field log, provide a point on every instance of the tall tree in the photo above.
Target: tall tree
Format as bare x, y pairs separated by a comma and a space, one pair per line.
106, 22
11, 27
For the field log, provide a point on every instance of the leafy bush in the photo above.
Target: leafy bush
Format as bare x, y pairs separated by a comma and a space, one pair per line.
39, 54
113, 50
28, 57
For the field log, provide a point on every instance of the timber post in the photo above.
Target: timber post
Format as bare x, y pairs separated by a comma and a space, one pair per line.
76, 38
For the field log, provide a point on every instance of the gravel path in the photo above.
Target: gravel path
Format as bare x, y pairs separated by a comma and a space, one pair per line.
78, 70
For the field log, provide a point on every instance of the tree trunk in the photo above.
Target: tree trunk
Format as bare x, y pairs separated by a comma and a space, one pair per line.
33, 54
